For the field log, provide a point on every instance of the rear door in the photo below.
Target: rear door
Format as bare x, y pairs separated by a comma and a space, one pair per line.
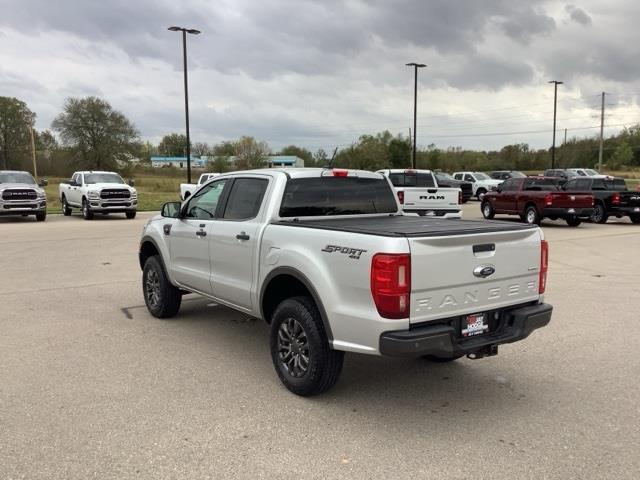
234, 241
443, 282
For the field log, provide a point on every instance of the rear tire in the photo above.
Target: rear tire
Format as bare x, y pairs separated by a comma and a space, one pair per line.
487, 210
66, 209
131, 215
531, 215
573, 221
86, 211
41, 216
161, 297
599, 214
634, 218
300, 349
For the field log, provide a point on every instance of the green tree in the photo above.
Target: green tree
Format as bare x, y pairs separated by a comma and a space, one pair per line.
173, 145
219, 165
97, 134
15, 121
320, 158
400, 152
224, 149
251, 153
201, 149
622, 156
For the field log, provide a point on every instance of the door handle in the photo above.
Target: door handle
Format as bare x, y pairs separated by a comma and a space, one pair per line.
432, 190
242, 236
201, 233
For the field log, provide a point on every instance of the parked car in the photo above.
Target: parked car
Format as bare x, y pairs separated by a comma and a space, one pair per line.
560, 173
586, 172
446, 180
481, 182
187, 189
21, 195
535, 198
418, 192
506, 174
98, 192
328, 259
612, 197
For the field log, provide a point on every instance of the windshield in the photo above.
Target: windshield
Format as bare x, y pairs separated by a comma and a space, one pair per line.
316, 196
444, 176
591, 172
517, 175
481, 176
102, 178
17, 177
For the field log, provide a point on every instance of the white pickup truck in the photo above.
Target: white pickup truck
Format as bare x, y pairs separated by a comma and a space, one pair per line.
482, 183
418, 192
98, 192
187, 189
328, 259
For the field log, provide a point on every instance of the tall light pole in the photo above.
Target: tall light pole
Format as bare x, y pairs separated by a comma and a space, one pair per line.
555, 104
184, 31
415, 66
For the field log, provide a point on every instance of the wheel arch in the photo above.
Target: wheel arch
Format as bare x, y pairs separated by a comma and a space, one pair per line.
286, 282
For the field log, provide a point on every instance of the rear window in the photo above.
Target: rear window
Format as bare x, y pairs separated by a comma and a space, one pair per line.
533, 184
617, 184
411, 180
318, 196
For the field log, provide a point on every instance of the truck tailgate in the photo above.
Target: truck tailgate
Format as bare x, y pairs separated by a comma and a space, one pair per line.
431, 198
630, 200
443, 283
572, 200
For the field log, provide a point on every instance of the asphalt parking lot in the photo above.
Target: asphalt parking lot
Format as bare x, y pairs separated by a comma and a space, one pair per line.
92, 386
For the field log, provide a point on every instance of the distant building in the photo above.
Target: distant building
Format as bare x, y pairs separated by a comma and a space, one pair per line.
178, 162
271, 161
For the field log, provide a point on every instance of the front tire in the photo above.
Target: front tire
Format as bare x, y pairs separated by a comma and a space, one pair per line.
66, 209
131, 215
531, 215
86, 211
161, 297
487, 211
480, 193
41, 216
573, 221
300, 350
599, 214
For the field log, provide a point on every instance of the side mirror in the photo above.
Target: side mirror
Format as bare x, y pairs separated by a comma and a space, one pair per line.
132, 182
171, 210
43, 183
72, 183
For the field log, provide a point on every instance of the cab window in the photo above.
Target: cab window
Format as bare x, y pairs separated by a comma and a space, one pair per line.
510, 185
245, 198
469, 178
204, 203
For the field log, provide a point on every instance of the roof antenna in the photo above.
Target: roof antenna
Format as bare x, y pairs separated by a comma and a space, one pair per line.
330, 163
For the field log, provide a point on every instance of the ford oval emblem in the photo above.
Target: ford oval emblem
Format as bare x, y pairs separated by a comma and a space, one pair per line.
483, 271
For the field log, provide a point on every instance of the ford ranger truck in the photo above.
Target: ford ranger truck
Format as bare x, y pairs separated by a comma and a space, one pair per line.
611, 197
328, 259
21, 195
536, 198
418, 192
98, 192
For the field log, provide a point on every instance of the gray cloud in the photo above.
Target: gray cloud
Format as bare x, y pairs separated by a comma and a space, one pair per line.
578, 15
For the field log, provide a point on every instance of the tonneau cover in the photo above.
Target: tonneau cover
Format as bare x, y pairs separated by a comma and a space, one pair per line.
406, 226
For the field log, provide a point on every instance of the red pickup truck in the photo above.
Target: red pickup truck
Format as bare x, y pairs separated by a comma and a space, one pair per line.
535, 198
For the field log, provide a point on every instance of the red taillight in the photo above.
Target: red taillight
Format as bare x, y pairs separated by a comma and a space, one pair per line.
544, 266
339, 172
391, 284
615, 200
548, 200
401, 198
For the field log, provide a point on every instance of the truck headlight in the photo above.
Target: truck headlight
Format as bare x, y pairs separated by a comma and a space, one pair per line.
93, 194
41, 195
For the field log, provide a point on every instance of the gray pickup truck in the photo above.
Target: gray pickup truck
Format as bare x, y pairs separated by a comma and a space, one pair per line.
328, 259
21, 195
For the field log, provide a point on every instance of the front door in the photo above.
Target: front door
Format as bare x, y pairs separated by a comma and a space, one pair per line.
190, 238
235, 239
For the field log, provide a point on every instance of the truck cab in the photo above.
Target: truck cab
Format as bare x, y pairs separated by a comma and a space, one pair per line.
482, 183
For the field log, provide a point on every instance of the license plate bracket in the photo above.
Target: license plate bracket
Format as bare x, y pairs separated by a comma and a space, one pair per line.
475, 324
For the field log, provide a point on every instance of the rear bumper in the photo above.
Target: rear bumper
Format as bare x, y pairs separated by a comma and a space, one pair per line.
624, 211
435, 213
444, 340
567, 212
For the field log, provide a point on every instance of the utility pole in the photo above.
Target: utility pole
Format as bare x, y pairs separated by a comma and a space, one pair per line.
33, 153
415, 108
555, 104
601, 134
410, 142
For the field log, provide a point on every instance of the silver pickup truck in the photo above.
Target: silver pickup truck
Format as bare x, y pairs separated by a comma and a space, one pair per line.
21, 195
328, 259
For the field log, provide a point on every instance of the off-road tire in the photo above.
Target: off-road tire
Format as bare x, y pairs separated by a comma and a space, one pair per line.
130, 215
599, 214
86, 210
324, 364
41, 216
487, 210
161, 297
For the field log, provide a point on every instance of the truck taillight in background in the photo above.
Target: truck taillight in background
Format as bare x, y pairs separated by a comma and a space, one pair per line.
544, 266
548, 200
401, 197
459, 197
615, 200
391, 284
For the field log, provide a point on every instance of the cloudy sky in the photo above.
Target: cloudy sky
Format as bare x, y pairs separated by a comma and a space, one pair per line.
320, 73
